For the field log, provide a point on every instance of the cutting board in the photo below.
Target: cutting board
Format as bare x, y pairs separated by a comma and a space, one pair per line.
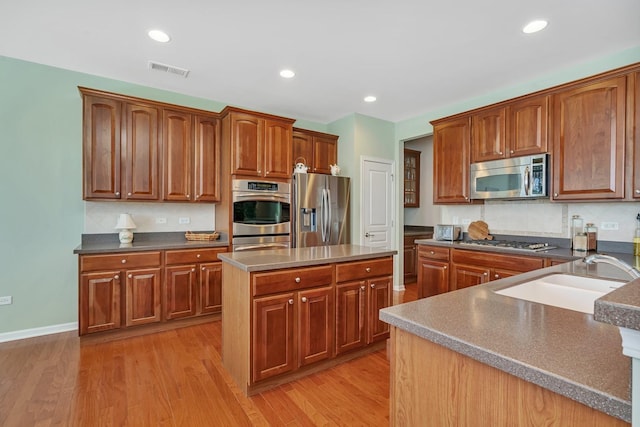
479, 230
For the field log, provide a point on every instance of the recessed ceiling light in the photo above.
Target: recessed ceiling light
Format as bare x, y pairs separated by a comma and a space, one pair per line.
534, 26
159, 36
370, 98
287, 74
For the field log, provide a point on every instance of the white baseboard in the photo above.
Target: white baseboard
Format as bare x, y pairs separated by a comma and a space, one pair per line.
36, 332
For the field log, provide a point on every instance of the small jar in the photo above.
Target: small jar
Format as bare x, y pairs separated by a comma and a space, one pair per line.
592, 236
576, 227
580, 242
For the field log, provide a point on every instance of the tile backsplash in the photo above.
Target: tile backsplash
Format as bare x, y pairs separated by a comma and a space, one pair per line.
101, 217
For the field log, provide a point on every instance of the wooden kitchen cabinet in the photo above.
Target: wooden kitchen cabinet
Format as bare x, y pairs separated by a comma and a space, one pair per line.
362, 289
411, 256
193, 282
451, 160
513, 129
260, 143
286, 303
588, 140
634, 128
140, 141
433, 270
103, 304
206, 158
317, 150
411, 178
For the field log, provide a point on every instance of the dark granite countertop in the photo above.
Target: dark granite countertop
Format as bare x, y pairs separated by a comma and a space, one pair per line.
565, 351
301, 257
101, 243
417, 230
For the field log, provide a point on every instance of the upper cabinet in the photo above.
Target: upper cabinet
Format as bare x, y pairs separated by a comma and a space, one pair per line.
451, 160
315, 149
589, 140
260, 143
136, 149
411, 178
516, 129
634, 134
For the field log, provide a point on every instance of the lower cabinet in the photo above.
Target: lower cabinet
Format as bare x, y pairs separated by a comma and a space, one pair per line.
362, 289
411, 256
137, 288
433, 270
299, 318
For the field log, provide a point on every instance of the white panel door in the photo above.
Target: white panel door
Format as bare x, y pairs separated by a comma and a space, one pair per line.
377, 204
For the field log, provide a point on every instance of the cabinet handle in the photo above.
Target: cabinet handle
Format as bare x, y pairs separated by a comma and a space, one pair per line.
297, 280
193, 270
432, 252
362, 288
117, 193
373, 286
511, 152
637, 191
259, 172
197, 255
124, 261
117, 276
368, 270
485, 274
500, 152
497, 276
203, 268
444, 267
130, 276
555, 194
303, 299
128, 194
188, 196
291, 301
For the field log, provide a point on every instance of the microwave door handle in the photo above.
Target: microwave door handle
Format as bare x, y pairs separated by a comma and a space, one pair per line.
527, 181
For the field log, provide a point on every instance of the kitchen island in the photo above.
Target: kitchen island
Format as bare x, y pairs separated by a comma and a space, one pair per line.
287, 313
473, 357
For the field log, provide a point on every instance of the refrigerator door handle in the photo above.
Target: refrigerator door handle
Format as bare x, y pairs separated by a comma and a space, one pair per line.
323, 215
329, 216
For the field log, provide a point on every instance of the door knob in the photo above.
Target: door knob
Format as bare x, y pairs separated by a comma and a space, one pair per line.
368, 235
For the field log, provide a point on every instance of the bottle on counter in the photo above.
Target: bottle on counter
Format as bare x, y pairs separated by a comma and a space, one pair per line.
592, 236
636, 237
577, 227
580, 242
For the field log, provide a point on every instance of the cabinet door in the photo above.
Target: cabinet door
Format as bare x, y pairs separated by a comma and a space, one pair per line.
489, 135
272, 340
463, 276
379, 291
101, 150
636, 136
411, 178
500, 273
451, 161
99, 301
206, 167
180, 291
141, 148
277, 150
433, 277
527, 122
302, 148
315, 320
210, 287
588, 141
246, 135
177, 141
142, 304
350, 312
410, 260
325, 153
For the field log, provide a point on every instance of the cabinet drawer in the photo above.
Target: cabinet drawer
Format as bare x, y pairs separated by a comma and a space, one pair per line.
120, 261
189, 256
499, 261
433, 252
288, 280
364, 269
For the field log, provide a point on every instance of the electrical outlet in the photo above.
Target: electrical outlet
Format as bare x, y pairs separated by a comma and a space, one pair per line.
466, 221
161, 220
184, 220
6, 300
608, 225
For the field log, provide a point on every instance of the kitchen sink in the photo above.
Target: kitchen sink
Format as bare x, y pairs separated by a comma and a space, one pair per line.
568, 291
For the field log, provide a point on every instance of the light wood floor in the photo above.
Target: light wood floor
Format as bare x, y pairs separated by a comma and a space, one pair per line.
176, 378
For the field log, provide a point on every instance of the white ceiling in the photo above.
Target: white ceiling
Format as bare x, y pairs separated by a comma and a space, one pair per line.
414, 55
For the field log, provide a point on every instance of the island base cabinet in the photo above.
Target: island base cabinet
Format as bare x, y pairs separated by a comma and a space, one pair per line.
315, 325
434, 386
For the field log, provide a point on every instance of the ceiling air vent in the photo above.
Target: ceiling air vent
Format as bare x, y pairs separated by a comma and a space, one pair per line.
168, 69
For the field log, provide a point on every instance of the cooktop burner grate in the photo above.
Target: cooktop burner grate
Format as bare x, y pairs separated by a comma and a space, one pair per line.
510, 244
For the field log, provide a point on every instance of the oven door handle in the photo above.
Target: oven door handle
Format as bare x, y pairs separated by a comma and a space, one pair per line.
260, 196
261, 246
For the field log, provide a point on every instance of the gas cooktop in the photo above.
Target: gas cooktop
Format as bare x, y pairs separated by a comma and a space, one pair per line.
512, 245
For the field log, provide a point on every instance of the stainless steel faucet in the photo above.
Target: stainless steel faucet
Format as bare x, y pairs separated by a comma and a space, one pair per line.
607, 259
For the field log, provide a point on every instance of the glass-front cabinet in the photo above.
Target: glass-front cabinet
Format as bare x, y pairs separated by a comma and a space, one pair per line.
411, 178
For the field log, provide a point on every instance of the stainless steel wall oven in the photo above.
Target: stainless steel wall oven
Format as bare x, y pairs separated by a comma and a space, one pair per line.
261, 214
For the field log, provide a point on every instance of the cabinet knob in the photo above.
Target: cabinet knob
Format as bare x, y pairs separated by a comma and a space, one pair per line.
303, 299
368, 270
373, 286
500, 152
197, 255
124, 261
188, 196
485, 274
117, 276
193, 270
362, 288
259, 172
297, 280
497, 276
444, 267
555, 194
197, 196
290, 301
128, 194
203, 268
130, 276
511, 152
637, 191
432, 252
117, 193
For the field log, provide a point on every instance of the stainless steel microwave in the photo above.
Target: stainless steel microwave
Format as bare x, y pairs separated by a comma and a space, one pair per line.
515, 178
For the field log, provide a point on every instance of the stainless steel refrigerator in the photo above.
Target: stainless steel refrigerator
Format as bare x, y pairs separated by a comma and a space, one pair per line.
321, 212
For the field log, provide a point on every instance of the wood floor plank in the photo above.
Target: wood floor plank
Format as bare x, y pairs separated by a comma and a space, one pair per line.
175, 378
